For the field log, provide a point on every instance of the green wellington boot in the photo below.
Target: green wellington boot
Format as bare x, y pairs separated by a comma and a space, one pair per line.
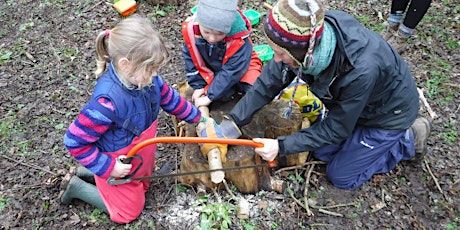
83, 173
72, 187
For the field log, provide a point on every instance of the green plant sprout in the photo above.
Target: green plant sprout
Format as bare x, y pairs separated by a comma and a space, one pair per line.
216, 216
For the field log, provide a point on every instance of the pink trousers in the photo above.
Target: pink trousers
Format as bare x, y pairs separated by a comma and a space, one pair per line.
125, 202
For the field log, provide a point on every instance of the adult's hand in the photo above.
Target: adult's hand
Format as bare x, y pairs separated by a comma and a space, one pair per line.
270, 149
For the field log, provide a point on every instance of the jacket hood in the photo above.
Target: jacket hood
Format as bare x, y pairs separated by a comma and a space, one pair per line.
351, 36
241, 27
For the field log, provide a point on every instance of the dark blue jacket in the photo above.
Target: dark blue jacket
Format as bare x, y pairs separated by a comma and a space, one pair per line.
367, 84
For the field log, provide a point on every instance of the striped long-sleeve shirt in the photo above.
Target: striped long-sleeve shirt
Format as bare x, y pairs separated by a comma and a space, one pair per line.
91, 124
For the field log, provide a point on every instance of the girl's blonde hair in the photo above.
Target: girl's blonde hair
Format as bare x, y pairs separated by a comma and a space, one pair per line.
133, 38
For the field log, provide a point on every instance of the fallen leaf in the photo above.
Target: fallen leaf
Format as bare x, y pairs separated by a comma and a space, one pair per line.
74, 219
263, 204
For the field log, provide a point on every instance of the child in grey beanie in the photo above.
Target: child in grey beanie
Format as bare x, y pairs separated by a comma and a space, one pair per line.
220, 62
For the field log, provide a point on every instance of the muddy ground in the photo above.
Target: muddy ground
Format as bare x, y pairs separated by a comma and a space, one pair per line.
47, 59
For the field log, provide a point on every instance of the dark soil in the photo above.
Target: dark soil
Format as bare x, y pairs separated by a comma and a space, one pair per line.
47, 57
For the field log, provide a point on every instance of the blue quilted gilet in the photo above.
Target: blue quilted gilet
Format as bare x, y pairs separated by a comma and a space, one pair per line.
135, 110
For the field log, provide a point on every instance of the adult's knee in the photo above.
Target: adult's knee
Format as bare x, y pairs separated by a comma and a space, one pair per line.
344, 180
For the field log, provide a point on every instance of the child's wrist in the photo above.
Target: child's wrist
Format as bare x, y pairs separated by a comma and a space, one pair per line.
202, 119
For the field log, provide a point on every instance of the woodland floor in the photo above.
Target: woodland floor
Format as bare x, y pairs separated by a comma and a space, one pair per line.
47, 56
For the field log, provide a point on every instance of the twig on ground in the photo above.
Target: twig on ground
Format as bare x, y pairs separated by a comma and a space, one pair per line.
433, 115
330, 213
29, 56
27, 62
320, 225
452, 84
30, 165
319, 174
214, 190
29, 186
59, 111
228, 189
322, 208
456, 182
165, 197
332, 206
434, 179
181, 131
165, 200
298, 201
378, 206
300, 166
307, 184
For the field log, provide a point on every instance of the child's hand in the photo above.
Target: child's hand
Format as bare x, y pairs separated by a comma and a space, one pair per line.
197, 94
121, 169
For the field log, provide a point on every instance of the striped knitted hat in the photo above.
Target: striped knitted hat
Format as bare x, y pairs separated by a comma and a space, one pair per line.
295, 26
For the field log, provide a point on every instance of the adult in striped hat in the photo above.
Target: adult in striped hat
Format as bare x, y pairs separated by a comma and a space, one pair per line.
295, 26
372, 121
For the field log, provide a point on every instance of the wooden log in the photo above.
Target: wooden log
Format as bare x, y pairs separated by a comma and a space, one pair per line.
214, 160
268, 122
249, 180
299, 159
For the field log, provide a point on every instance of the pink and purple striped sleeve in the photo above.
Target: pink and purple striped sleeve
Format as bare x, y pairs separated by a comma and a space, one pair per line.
81, 135
174, 104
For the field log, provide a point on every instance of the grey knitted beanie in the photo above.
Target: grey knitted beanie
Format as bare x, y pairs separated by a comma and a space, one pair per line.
217, 14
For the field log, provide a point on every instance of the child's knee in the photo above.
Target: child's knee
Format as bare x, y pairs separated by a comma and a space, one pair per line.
127, 211
125, 217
